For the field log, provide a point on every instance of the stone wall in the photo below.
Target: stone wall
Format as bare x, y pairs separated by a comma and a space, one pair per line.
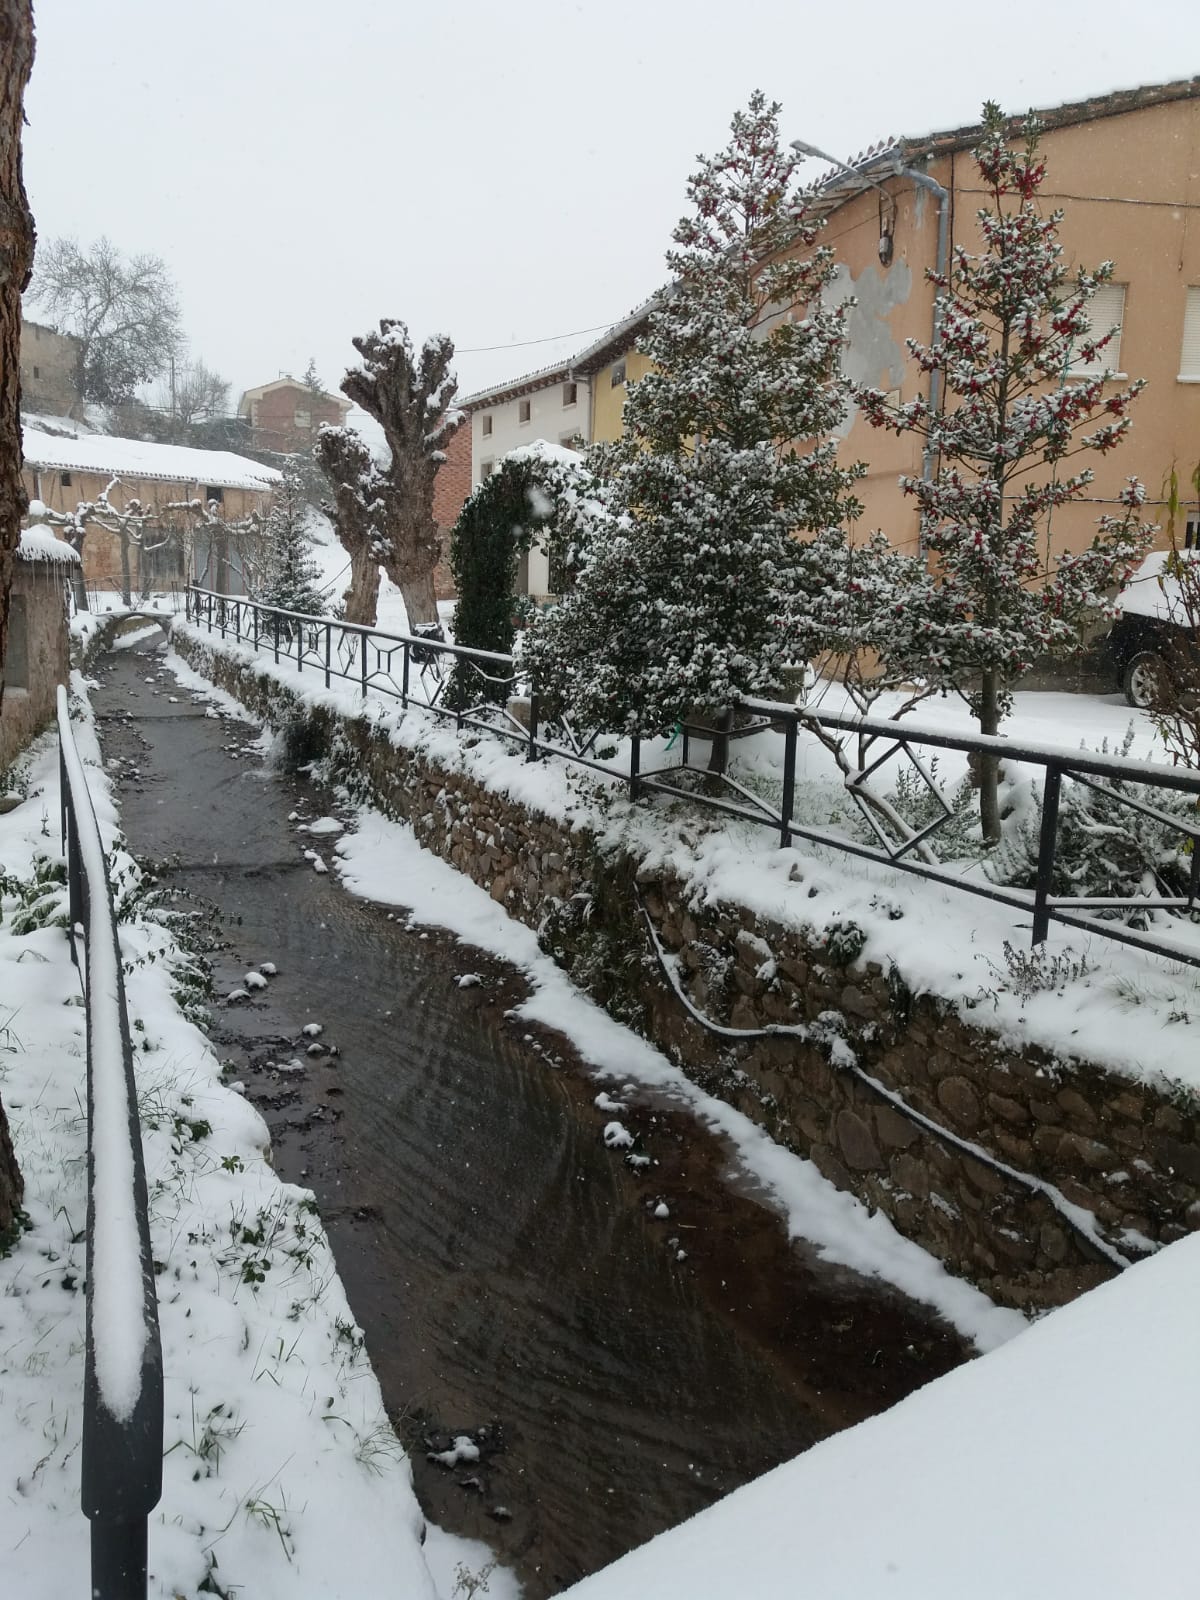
31, 686
1031, 1175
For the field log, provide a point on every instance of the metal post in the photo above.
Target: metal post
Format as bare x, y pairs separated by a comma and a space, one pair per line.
328, 649
404, 678
635, 762
531, 751
300, 648
254, 618
275, 620
685, 742
362, 661
789, 783
1046, 846
119, 1560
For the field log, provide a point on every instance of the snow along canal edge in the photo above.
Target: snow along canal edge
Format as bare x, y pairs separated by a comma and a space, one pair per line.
282, 1474
382, 861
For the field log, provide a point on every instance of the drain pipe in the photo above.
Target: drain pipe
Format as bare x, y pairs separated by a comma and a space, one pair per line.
931, 186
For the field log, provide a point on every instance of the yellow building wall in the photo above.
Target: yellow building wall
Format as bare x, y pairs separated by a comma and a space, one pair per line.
608, 401
1129, 186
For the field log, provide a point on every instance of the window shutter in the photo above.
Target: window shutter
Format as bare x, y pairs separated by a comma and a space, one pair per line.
1106, 309
1189, 356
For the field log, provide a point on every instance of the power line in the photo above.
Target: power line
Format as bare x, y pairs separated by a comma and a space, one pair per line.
522, 344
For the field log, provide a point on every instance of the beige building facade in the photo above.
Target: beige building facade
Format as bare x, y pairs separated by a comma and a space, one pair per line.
1125, 171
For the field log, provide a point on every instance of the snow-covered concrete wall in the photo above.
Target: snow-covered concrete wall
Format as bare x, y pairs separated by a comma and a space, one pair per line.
1032, 1174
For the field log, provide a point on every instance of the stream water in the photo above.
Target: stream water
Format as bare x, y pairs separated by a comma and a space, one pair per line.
620, 1371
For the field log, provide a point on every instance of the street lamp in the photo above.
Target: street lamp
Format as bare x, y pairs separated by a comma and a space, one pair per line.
886, 224
942, 196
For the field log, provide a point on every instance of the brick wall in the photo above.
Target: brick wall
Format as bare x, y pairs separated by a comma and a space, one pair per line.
275, 425
451, 487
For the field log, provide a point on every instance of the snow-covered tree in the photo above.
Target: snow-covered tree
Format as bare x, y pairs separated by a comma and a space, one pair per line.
357, 512
411, 397
691, 581
289, 577
124, 310
1013, 322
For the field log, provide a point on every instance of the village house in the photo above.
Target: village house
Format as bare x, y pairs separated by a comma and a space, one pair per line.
61, 471
37, 659
49, 371
285, 415
1124, 170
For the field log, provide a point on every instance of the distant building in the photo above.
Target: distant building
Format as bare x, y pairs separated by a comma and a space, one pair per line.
61, 471
49, 371
286, 414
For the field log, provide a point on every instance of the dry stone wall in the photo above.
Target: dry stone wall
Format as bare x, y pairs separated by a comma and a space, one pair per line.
1031, 1175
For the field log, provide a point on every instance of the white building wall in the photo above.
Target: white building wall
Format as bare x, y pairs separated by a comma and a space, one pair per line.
549, 419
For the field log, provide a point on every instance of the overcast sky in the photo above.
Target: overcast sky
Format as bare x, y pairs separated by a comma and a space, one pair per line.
500, 171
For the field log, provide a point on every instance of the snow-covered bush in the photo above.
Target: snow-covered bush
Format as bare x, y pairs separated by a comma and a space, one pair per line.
692, 584
1105, 848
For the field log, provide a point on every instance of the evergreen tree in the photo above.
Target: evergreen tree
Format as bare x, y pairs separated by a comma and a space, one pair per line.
691, 585
1013, 321
289, 576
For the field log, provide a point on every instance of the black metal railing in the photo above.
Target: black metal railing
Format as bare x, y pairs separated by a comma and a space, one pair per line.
416, 671
121, 1472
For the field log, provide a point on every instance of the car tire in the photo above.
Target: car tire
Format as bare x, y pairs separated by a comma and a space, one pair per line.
1145, 676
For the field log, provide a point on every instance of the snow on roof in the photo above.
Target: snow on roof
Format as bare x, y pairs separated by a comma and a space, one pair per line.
135, 458
1062, 1464
39, 544
285, 383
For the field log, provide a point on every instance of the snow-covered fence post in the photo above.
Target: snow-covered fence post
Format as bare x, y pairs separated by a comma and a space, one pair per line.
1047, 840
404, 678
328, 652
635, 762
122, 1431
531, 753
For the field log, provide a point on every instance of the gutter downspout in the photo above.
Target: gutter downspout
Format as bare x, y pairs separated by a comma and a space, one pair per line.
924, 181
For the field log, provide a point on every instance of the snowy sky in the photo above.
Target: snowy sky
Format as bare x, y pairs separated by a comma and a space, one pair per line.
501, 172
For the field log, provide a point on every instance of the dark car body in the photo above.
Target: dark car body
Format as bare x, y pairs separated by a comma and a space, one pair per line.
1151, 633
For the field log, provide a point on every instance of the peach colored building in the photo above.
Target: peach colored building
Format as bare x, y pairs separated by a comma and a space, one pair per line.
1125, 169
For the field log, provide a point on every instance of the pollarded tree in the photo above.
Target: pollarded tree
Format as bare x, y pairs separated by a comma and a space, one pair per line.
289, 576
690, 589
411, 397
357, 512
1014, 320
123, 310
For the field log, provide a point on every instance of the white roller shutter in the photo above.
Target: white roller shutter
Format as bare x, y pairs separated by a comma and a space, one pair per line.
1106, 309
1189, 355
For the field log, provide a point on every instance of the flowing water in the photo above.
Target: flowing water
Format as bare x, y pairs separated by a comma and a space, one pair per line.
620, 1371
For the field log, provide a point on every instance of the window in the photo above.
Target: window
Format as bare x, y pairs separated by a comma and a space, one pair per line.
486, 468
214, 492
65, 479
571, 441
618, 373
570, 394
1191, 534
1189, 356
302, 417
1105, 310
16, 660
487, 425
523, 410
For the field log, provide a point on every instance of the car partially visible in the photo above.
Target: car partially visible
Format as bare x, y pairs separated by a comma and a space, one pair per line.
1153, 632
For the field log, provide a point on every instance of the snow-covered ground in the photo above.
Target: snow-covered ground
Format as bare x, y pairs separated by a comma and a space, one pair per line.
1062, 1466
282, 1475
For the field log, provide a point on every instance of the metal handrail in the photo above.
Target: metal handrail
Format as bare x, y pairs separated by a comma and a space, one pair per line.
121, 1471
1097, 770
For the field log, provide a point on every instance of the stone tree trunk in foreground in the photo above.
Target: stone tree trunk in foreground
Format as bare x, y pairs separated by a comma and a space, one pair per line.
16, 260
411, 398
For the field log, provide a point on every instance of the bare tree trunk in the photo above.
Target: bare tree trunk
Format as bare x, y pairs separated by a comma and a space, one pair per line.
126, 571
361, 600
16, 261
419, 599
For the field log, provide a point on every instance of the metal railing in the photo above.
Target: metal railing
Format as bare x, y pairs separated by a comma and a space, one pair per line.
121, 1472
416, 671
